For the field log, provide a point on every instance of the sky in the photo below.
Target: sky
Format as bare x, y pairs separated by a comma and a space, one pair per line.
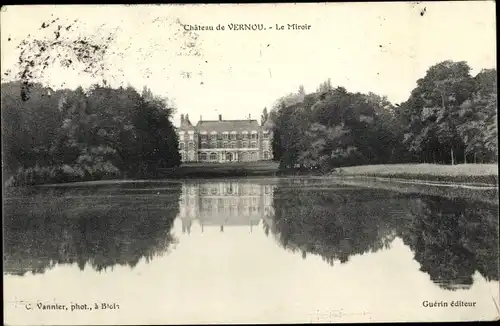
365, 47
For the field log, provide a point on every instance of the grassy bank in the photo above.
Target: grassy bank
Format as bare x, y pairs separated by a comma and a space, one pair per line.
464, 173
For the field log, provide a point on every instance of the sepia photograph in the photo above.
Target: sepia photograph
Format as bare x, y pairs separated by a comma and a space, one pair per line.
250, 163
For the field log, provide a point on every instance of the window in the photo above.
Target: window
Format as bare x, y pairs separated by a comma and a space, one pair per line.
253, 144
224, 144
266, 155
190, 145
225, 135
213, 157
214, 191
265, 135
213, 136
233, 144
245, 135
203, 156
244, 144
233, 135
203, 144
181, 145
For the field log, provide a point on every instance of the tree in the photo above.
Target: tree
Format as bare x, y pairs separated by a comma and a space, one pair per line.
264, 116
156, 134
99, 133
433, 110
325, 87
479, 115
334, 128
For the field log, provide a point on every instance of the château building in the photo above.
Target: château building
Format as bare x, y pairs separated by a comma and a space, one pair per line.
224, 140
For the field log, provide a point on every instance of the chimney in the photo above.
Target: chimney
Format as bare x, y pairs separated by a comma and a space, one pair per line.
201, 118
187, 117
249, 116
220, 117
182, 118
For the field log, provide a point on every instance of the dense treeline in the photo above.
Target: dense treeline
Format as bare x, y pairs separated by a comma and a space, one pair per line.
449, 118
75, 135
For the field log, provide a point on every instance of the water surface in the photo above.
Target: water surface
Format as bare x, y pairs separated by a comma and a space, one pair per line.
247, 250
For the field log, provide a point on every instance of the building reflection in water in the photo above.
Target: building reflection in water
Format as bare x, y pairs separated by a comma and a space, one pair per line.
225, 204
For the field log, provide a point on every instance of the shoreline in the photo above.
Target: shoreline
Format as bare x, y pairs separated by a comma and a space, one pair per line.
470, 180
470, 175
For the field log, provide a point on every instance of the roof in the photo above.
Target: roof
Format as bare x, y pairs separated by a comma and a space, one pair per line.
228, 125
186, 125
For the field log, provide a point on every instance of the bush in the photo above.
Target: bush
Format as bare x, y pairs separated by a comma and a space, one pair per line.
58, 174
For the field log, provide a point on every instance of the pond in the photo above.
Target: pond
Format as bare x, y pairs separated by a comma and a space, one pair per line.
247, 250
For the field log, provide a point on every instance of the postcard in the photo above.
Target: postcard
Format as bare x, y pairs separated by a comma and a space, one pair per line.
250, 163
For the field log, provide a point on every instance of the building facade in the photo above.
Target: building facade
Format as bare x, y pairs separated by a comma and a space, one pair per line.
224, 140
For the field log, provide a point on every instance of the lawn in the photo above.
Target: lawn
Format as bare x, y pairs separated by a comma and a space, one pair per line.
460, 173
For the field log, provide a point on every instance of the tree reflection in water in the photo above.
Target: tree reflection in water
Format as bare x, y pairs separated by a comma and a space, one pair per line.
334, 224
44, 230
450, 238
